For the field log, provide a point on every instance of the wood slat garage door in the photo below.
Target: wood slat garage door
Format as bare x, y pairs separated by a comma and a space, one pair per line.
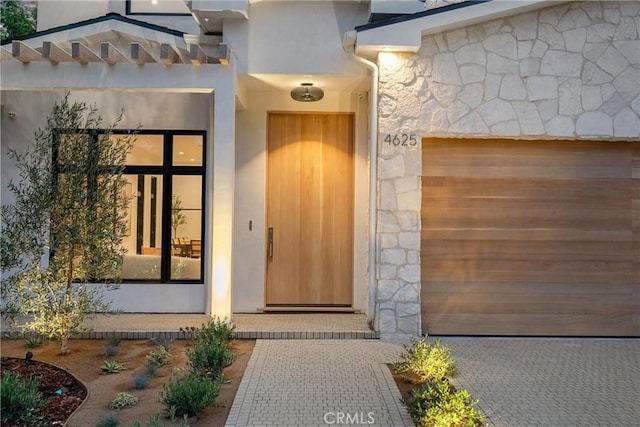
530, 237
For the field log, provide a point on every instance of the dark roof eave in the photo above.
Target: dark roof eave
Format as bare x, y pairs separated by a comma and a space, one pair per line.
417, 15
108, 17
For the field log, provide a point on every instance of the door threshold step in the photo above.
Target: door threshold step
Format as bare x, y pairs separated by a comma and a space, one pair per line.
245, 334
309, 335
307, 309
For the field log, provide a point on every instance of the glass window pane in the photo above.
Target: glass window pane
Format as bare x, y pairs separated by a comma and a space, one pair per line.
159, 6
187, 150
147, 150
186, 227
143, 236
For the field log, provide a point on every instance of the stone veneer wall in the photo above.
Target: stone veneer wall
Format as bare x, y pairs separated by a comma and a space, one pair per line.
570, 71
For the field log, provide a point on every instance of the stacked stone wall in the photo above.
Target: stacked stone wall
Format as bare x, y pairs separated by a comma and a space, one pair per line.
570, 71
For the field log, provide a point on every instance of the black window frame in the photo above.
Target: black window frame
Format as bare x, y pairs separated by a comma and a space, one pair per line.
167, 171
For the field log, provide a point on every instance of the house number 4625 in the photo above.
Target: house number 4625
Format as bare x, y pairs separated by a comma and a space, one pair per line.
401, 139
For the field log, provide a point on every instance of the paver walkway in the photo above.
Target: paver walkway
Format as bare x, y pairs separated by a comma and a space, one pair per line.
319, 383
520, 382
555, 382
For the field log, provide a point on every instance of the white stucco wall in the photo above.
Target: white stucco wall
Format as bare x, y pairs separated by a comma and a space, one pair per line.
250, 194
570, 71
56, 13
295, 37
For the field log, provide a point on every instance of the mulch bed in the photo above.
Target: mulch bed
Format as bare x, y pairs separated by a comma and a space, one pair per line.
50, 379
405, 381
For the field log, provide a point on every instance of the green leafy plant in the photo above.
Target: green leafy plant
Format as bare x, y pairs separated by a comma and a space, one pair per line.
63, 232
110, 350
141, 380
159, 357
151, 369
155, 422
189, 332
33, 341
20, 401
189, 394
122, 400
428, 361
111, 367
216, 329
160, 342
16, 19
209, 358
437, 404
108, 420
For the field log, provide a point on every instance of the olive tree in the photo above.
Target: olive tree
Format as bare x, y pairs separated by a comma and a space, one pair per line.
16, 19
61, 236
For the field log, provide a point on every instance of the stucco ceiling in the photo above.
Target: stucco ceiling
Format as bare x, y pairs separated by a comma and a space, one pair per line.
286, 82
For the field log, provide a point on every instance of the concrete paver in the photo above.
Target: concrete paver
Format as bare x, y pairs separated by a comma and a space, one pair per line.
556, 382
318, 383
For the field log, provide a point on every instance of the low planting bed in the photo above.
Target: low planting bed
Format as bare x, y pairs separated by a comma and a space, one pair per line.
423, 378
138, 368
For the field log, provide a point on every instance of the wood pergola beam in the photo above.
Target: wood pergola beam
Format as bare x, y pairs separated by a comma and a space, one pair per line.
111, 55
140, 55
83, 54
6, 55
169, 55
55, 53
197, 55
24, 53
223, 53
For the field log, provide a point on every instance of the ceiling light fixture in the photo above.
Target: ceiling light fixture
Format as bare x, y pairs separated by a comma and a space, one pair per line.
307, 93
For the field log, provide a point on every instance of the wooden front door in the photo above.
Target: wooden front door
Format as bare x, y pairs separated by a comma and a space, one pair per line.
310, 182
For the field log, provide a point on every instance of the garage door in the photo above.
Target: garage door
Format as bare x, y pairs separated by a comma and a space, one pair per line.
530, 238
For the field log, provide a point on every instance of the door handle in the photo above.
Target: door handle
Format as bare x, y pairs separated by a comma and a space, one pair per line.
270, 248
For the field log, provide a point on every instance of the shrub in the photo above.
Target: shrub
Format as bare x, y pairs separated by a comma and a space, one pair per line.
152, 422
123, 400
150, 369
208, 358
111, 367
160, 342
108, 420
429, 362
189, 394
155, 422
436, 404
33, 341
141, 380
189, 332
159, 357
110, 350
216, 329
20, 401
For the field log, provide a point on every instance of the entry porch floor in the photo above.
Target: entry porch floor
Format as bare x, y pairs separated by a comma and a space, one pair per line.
248, 326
